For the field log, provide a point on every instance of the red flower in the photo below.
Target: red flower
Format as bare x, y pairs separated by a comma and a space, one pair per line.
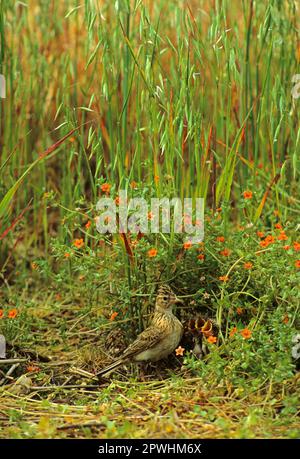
246, 333
180, 350
224, 278
248, 265
105, 187
248, 194
264, 243
212, 339
201, 256
225, 252
78, 243
32, 368
285, 320
133, 185
297, 264
282, 236
220, 238
113, 316
187, 245
270, 239
233, 332
12, 314
152, 253
297, 246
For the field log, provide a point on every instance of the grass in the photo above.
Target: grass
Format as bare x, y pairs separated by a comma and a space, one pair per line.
162, 99
184, 404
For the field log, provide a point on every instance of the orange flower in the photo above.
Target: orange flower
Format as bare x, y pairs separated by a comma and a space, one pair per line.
260, 234
286, 247
117, 201
246, 333
248, 194
156, 178
34, 266
212, 339
105, 187
88, 224
187, 245
282, 236
201, 256
1, 313
67, 255
133, 185
224, 278
270, 239
248, 265
113, 316
225, 252
219, 209
81, 277
220, 238
297, 264
278, 226
12, 313
264, 243
32, 369
240, 311
180, 350
150, 216
78, 243
285, 320
233, 331
152, 253
297, 246
72, 139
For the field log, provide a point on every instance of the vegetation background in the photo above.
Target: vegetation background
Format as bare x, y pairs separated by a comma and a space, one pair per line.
165, 98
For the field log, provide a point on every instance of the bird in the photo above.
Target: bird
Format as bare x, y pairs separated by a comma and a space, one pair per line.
158, 340
196, 331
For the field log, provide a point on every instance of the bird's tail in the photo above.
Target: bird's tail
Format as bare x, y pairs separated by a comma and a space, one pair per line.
110, 367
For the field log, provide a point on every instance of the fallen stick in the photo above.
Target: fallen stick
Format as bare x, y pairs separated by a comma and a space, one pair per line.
86, 374
8, 373
12, 361
83, 424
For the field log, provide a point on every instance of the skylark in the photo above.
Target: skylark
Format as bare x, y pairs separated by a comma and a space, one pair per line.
159, 339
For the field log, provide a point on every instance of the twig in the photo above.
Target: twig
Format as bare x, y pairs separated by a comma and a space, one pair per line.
84, 373
70, 386
10, 371
83, 424
12, 361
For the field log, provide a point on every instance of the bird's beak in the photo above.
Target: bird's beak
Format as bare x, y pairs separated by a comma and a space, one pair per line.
178, 301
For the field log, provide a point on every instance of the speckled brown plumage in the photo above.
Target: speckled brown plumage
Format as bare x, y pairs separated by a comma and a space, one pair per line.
159, 339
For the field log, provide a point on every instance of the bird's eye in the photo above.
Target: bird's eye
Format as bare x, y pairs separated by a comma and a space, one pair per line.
165, 298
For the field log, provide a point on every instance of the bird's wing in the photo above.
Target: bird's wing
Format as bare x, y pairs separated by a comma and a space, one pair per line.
145, 340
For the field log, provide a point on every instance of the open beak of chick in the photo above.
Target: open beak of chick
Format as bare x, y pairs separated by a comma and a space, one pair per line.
178, 300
